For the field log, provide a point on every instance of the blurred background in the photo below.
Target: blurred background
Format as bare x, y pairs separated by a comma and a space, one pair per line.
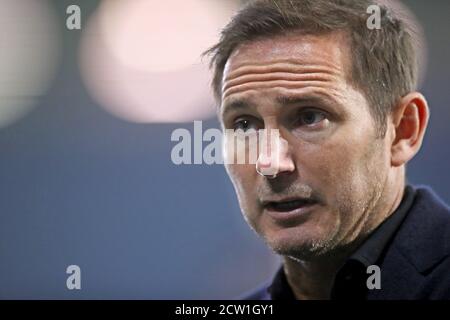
86, 177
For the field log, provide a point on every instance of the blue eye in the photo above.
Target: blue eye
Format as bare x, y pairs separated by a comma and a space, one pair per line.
310, 117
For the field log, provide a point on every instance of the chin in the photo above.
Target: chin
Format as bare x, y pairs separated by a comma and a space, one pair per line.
300, 244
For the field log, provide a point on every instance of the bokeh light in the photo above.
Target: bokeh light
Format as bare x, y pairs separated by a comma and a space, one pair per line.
141, 59
29, 55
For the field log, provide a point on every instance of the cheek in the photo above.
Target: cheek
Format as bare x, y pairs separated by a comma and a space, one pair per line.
325, 166
340, 170
243, 177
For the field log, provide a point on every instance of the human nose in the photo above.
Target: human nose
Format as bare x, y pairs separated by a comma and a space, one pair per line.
274, 156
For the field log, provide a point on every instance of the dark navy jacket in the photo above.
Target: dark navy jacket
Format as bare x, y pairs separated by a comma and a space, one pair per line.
416, 262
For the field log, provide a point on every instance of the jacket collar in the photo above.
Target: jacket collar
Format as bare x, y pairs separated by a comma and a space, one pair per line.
427, 219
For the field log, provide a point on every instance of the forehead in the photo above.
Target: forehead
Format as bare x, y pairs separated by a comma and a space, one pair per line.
292, 55
294, 45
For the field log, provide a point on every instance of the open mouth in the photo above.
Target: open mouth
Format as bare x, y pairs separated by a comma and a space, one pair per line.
287, 206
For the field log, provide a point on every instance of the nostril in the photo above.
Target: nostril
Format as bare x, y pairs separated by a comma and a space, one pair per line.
265, 169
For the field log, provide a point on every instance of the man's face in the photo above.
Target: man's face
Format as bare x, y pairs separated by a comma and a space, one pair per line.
333, 165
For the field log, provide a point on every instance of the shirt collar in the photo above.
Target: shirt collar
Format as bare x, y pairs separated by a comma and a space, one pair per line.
372, 249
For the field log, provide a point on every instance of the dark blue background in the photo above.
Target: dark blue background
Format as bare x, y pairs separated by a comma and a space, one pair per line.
78, 186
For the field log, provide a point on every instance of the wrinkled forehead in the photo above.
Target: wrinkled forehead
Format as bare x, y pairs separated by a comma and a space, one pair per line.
330, 51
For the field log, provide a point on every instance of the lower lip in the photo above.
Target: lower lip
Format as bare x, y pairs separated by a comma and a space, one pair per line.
290, 216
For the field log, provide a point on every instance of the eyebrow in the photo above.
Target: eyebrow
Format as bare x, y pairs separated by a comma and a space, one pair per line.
282, 100
236, 104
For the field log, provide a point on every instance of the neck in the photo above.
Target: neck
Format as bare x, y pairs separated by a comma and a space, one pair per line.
314, 279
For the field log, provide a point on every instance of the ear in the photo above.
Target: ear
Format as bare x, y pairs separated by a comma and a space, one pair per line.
410, 121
